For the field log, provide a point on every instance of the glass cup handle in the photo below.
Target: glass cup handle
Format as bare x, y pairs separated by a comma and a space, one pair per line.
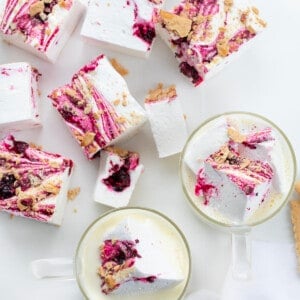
241, 254
60, 267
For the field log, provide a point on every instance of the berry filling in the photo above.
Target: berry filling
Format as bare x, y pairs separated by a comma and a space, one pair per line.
143, 29
117, 257
190, 72
8, 183
119, 178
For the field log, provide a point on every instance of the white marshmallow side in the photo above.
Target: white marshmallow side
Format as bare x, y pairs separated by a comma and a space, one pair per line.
213, 137
105, 195
156, 259
110, 24
18, 97
60, 200
229, 199
168, 126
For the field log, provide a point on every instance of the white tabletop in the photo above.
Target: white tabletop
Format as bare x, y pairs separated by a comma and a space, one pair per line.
265, 80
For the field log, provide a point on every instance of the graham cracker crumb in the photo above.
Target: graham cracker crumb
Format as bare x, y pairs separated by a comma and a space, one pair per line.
36, 8
251, 29
156, 1
62, 3
244, 16
11, 216
124, 101
92, 149
87, 109
48, 31
223, 47
73, 193
35, 146
221, 156
228, 4
52, 187
262, 22
245, 163
121, 120
160, 93
295, 217
70, 92
116, 102
178, 24
118, 67
87, 139
235, 135
121, 152
184, 116
297, 187
96, 116
255, 10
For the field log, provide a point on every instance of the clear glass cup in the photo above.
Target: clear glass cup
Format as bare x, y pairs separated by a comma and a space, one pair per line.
76, 269
240, 232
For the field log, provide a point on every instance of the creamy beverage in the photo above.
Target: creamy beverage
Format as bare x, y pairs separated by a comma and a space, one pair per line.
237, 169
132, 253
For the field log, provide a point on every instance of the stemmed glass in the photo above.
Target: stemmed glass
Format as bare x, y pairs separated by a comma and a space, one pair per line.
240, 232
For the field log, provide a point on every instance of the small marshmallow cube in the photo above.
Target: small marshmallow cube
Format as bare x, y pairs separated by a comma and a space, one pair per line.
167, 120
18, 97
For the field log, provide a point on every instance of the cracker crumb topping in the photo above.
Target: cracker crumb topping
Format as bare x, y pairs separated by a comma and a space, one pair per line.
62, 3
161, 93
295, 217
121, 120
52, 187
235, 135
223, 48
228, 4
118, 67
35, 146
87, 139
297, 187
73, 193
36, 8
255, 10
178, 24
120, 152
116, 102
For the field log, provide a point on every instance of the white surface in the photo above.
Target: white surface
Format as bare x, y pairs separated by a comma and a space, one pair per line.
268, 259
264, 80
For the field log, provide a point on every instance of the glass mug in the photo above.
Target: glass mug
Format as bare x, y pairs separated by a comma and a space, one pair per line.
87, 254
240, 231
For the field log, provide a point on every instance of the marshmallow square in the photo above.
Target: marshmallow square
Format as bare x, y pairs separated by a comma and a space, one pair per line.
18, 96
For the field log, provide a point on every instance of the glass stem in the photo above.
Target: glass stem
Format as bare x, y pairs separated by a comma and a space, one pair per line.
241, 254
